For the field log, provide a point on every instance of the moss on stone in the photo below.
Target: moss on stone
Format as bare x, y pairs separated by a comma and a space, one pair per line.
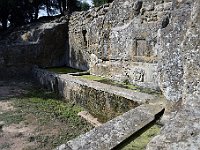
63, 70
93, 78
125, 85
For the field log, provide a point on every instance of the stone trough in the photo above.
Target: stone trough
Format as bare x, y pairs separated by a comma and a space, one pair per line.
131, 110
112, 133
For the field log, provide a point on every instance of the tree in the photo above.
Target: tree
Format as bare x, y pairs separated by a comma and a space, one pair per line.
98, 3
19, 12
85, 6
62, 6
35, 4
4, 12
73, 5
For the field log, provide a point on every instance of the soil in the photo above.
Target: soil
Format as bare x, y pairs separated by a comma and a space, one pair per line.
27, 128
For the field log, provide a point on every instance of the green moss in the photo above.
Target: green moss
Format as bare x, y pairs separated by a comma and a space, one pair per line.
91, 77
124, 84
141, 142
63, 70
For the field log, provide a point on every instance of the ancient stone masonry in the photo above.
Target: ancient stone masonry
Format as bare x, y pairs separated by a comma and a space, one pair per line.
110, 134
104, 101
42, 44
179, 71
150, 43
118, 40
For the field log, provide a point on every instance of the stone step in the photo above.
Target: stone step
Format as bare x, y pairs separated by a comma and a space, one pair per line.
89, 118
115, 131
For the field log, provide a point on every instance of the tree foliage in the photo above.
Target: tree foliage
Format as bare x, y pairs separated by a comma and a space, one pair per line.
98, 3
19, 12
85, 6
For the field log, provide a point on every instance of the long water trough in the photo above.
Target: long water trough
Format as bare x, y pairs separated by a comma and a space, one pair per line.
123, 112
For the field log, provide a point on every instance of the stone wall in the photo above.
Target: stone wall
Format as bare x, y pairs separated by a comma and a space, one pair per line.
180, 78
41, 44
171, 51
118, 40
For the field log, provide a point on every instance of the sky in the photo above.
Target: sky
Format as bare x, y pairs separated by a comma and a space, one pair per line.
89, 1
43, 12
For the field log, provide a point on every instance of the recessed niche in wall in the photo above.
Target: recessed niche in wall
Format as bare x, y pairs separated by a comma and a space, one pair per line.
141, 47
84, 32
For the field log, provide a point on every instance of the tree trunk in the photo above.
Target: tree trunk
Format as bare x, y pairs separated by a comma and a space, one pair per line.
4, 23
64, 4
36, 12
60, 6
4, 17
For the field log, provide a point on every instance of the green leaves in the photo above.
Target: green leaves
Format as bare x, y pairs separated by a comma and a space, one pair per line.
98, 3
85, 6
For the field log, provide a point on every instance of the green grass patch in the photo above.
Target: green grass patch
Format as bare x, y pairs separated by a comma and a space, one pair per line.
49, 109
49, 113
11, 117
93, 78
63, 70
141, 142
48, 106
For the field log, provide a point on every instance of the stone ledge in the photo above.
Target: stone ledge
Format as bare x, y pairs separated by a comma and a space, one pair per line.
127, 93
112, 133
103, 101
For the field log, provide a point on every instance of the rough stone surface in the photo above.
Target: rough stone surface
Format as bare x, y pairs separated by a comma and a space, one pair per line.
170, 50
150, 43
118, 40
42, 44
100, 99
183, 79
115, 131
89, 118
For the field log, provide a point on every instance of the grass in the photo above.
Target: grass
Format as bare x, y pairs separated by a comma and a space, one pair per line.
93, 78
49, 113
141, 142
63, 70
124, 84
11, 117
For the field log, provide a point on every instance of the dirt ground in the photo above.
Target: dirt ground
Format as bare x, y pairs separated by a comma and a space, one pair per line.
27, 122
